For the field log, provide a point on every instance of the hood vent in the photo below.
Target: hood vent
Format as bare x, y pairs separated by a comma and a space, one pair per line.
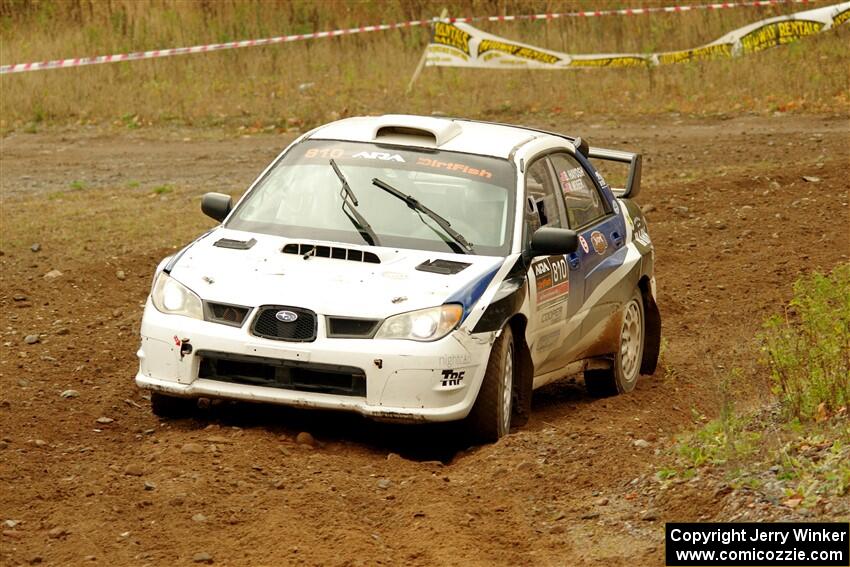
446, 267
308, 251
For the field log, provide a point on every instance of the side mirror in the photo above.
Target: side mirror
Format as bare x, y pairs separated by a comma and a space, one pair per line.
550, 241
216, 205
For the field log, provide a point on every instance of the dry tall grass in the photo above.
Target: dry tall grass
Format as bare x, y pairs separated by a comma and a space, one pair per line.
301, 84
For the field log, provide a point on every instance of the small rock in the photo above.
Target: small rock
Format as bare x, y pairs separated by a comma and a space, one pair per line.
193, 448
35, 247
590, 516
19, 297
104, 420
720, 225
52, 275
121, 275
202, 557
811, 179
279, 484
134, 469
70, 394
648, 208
56, 533
199, 518
149, 485
649, 516
11, 523
36, 560
602, 502
640, 443
384, 483
305, 438
681, 211
62, 331
31, 339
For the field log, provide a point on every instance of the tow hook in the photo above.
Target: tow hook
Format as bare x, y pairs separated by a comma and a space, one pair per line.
185, 348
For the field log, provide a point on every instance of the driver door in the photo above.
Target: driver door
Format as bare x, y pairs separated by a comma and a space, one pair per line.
552, 283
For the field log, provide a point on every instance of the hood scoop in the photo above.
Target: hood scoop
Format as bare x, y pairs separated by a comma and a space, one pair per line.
445, 267
234, 244
308, 251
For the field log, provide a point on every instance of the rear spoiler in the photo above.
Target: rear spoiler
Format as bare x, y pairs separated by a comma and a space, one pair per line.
634, 161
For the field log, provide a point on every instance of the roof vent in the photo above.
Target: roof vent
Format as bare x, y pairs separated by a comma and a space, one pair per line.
418, 130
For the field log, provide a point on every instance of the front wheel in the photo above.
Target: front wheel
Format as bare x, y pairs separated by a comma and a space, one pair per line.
490, 417
622, 376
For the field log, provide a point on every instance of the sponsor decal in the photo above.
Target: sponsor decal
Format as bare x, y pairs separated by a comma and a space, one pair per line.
453, 360
521, 51
697, 54
452, 166
285, 316
324, 153
548, 340
552, 278
379, 155
600, 179
583, 244
841, 18
452, 377
600, 244
552, 315
615, 206
641, 234
778, 33
451, 35
619, 61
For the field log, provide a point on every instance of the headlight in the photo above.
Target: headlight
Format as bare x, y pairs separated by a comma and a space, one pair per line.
423, 325
172, 297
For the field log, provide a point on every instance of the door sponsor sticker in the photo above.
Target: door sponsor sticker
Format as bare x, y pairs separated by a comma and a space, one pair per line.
552, 278
600, 244
584, 245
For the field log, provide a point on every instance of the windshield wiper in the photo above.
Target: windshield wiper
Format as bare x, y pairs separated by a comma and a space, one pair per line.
417, 206
348, 198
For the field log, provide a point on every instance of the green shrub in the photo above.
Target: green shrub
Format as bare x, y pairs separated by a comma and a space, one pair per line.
808, 350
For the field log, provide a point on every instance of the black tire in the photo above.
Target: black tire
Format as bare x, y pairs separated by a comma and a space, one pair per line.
622, 377
490, 417
172, 407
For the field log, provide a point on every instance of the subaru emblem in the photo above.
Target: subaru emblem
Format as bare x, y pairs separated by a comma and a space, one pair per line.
286, 316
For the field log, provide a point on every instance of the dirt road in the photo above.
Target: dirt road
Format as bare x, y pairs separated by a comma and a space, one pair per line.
733, 221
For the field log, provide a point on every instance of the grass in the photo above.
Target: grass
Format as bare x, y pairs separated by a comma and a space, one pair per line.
268, 88
803, 436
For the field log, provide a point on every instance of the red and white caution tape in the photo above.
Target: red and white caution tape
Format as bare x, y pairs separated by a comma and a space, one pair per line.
80, 61
157, 53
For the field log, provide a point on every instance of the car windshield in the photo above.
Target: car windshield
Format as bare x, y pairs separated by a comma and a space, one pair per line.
302, 197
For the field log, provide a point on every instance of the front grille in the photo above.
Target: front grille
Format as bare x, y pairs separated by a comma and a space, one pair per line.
269, 326
284, 374
233, 315
347, 328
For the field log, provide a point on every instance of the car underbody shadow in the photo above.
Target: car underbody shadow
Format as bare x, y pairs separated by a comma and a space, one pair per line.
413, 441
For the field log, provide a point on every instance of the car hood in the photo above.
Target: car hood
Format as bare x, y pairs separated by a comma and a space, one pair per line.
265, 275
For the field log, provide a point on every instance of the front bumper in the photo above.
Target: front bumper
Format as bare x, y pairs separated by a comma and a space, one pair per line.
405, 380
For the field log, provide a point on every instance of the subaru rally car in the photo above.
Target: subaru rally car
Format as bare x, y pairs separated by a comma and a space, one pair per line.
410, 268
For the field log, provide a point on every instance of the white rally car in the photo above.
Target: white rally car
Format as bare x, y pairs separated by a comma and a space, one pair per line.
410, 268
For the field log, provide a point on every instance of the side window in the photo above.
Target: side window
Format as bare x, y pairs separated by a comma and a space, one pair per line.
543, 207
584, 203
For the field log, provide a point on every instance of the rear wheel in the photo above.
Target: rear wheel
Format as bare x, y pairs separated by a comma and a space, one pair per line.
622, 376
490, 417
171, 406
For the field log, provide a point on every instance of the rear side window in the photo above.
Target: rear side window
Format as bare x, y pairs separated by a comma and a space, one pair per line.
584, 203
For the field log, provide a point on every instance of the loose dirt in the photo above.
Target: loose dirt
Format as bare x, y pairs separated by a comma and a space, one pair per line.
733, 222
